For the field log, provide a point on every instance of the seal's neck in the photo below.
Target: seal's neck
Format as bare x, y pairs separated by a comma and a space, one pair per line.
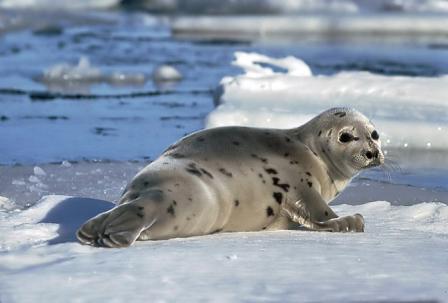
307, 135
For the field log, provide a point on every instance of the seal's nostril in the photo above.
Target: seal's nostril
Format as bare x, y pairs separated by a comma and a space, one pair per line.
375, 154
369, 154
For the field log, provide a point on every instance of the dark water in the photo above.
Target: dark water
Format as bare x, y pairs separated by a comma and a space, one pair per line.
133, 118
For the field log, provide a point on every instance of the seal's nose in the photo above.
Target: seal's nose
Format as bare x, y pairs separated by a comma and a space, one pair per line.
372, 154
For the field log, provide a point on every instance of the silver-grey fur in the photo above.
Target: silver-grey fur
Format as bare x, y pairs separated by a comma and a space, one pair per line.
244, 179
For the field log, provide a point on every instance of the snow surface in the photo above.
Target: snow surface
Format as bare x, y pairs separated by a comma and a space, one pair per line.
263, 96
401, 256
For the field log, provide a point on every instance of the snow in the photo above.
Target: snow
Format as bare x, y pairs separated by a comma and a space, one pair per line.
264, 97
401, 256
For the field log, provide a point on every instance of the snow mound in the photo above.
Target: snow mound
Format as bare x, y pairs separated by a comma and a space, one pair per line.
400, 257
53, 219
265, 97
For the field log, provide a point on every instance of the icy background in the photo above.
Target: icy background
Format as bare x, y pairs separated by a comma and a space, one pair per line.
89, 97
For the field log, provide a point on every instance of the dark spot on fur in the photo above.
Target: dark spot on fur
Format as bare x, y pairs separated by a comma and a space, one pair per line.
171, 147
225, 172
193, 170
283, 186
177, 156
310, 184
170, 210
134, 196
217, 231
140, 215
236, 143
190, 199
329, 133
200, 139
326, 213
301, 180
286, 155
267, 133
237, 203
308, 173
207, 173
340, 114
320, 133
314, 154
174, 202
264, 228
271, 171
287, 139
264, 160
188, 218
141, 208
278, 197
177, 184
176, 227
269, 211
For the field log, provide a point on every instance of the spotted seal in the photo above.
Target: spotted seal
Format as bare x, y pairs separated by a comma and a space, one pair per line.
230, 179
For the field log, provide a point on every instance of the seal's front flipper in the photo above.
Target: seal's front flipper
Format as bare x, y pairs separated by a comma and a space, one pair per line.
353, 223
118, 227
312, 212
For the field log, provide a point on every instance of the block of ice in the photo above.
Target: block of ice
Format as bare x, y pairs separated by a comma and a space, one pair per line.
410, 112
166, 73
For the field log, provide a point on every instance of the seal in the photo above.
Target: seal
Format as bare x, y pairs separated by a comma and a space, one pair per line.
231, 179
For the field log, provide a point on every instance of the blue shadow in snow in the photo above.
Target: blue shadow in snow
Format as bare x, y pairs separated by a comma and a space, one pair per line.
71, 213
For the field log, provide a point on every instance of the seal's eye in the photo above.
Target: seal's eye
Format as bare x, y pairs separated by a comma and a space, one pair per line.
375, 135
346, 137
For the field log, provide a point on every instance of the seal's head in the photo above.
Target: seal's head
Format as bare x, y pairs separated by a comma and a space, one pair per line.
347, 141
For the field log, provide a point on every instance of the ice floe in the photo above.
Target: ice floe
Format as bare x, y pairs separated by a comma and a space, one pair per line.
61, 4
62, 76
288, 7
430, 28
410, 112
166, 73
400, 257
